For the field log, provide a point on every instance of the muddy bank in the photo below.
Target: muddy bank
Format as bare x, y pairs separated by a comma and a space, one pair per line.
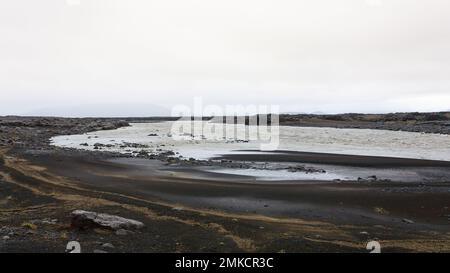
334, 159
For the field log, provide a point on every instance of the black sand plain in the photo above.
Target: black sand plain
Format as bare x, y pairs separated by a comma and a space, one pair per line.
185, 209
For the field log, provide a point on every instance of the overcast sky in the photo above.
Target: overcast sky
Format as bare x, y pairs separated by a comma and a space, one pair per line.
306, 56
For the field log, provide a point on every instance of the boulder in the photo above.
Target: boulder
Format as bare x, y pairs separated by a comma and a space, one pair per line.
87, 219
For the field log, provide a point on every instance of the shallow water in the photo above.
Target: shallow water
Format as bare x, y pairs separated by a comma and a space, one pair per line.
325, 140
282, 174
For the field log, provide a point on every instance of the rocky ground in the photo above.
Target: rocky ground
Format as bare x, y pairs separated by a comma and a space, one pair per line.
36, 131
438, 123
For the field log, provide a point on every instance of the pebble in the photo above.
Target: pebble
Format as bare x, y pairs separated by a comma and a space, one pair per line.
407, 221
107, 245
6, 237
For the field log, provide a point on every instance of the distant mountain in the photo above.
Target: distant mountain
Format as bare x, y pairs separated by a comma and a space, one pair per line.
102, 110
318, 113
293, 113
303, 113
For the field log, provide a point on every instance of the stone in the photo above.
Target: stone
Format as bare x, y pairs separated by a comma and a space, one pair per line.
107, 245
87, 219
372, 178
407, 221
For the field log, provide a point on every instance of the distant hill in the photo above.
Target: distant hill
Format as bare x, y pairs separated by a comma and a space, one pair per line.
103, 110
433, 122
